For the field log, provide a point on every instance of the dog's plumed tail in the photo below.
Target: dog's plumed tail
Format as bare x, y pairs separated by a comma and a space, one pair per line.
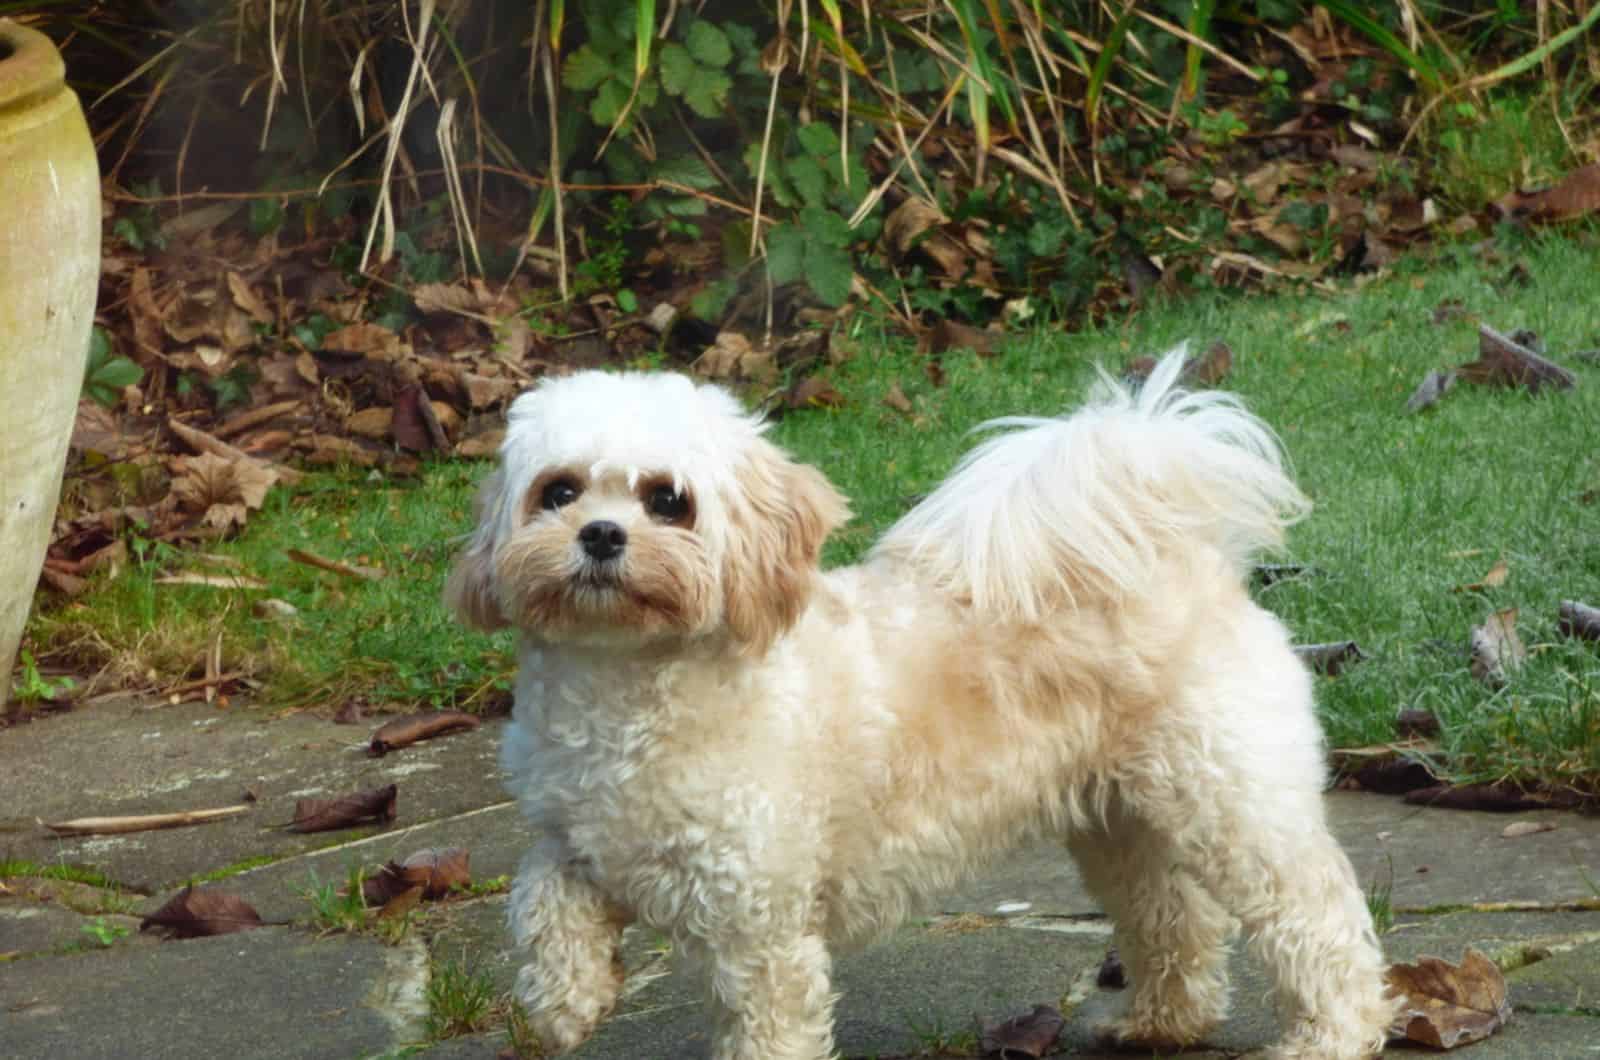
1094, 502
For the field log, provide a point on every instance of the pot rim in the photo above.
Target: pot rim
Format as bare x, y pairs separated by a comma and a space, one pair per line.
30, 66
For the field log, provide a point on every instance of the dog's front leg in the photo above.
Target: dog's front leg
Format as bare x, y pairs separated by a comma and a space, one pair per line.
571, 934
770, 998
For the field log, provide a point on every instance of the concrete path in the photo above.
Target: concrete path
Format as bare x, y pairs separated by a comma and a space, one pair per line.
78, 980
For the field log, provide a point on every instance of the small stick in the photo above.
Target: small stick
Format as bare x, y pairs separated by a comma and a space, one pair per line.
143, 822
349, 570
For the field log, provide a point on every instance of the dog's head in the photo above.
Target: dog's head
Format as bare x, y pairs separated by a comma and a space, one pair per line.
639, 506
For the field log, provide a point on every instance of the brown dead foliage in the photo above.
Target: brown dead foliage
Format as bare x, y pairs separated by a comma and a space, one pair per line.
347, 811
1025, 1037
1447, 1005
433, 873
199, 911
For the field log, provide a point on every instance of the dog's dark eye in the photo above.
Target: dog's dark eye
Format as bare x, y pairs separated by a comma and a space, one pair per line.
558, 494
667, 504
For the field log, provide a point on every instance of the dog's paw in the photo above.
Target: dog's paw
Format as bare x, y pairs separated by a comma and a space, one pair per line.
562, 1024
1149, 1036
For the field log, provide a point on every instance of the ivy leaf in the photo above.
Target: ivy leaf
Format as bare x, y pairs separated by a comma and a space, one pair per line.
708, 92
709, 45
786, 254
586, 69
678, 69
818, 139
829, 272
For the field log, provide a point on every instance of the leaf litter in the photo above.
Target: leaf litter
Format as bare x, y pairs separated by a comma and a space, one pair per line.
347, 811
1448, 1005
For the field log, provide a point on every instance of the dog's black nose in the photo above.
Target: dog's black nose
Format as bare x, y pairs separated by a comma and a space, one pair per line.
602, 539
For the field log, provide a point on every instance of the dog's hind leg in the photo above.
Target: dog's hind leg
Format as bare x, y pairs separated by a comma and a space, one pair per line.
571, 934
1171, 934
1295, 893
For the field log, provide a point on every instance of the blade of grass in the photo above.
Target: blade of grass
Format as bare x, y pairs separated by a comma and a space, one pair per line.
1380, 35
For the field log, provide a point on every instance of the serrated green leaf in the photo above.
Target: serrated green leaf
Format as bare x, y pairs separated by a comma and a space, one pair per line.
809, 179
786, 254
586, 69
818, 139
776, 188
829, 273
608, 103
688, 170
678, 69
709, 45
708, 92
826, 227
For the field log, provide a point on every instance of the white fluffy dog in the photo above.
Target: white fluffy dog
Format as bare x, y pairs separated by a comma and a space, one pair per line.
717, 738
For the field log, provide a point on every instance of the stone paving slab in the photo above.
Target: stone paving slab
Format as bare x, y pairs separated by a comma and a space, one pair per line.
121, 758
284, 993
265, 993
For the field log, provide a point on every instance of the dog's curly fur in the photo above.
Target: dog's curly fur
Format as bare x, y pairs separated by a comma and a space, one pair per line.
716, 738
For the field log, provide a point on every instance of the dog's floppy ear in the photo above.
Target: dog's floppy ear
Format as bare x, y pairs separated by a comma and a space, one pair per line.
469, 591
779, 517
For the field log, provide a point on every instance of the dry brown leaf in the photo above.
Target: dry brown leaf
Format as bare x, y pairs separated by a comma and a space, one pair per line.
416, 425
1498, 797
897, 400
1449, 1005
145, 312
1495, 578
952, 334
246, 299
194, 912
1517, 829
1496, 648
1579, 620
907, 222
731, 355
1330, 659
222, 491
813, 392
403, 732
400, 905
444, 298
1577, 194
367, 339
1030, 1036
434, 873
373, 423
1112, 975
322, 815
1503, 361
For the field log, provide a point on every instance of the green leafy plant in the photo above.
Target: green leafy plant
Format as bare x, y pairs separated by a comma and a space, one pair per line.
815, 249
105, 375
104, 932
31, 687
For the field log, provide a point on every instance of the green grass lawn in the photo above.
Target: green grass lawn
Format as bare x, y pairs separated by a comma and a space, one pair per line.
1409, 507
